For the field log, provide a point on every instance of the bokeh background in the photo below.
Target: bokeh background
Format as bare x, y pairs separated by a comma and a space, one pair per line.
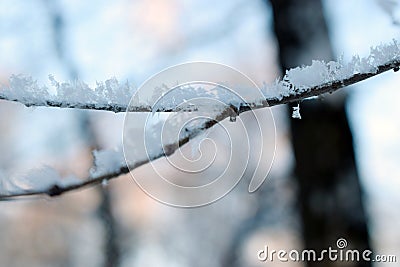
119, 225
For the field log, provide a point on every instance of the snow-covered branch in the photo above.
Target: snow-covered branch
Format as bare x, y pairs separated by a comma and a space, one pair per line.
297, 84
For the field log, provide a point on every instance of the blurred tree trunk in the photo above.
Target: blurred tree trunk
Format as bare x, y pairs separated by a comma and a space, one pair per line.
105, 213
330, 196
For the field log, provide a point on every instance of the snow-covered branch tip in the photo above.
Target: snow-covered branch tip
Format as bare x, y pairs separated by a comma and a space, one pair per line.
297, 84
46, 181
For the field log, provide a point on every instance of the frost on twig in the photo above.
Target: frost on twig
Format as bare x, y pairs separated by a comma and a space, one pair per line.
321, 77
43, 180
109, 96
297, 84
47, 181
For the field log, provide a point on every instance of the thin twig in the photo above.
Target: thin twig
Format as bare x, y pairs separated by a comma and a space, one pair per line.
168, 150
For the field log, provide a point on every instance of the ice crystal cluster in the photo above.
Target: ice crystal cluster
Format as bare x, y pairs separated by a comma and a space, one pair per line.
319, 73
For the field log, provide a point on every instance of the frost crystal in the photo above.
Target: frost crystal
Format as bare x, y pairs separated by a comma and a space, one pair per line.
296, 112
26, 90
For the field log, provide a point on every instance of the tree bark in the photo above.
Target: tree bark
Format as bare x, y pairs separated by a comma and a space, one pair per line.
330, 195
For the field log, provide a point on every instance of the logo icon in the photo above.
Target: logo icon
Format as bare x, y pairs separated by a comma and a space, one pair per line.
203, 163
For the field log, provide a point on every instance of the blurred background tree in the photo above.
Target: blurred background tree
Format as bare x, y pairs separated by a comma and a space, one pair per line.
329, 194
